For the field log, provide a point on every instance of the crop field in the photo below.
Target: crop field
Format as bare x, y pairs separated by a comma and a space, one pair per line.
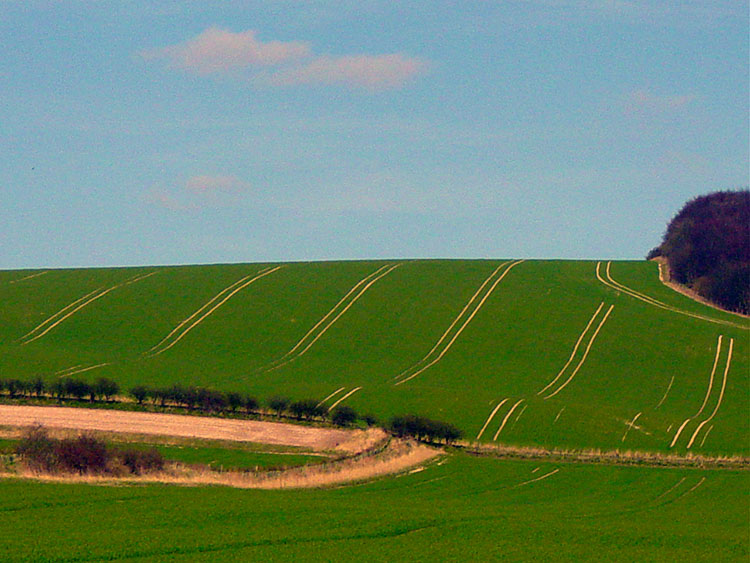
551, 354
457, 508
542, 353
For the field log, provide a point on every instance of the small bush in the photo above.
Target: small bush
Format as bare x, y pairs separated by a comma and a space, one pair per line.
38, 387
139, 393
307, 409
343, 416
38, 450
279, 404
85, 454
423, 428
106, 388
250, 404
234, 400
139, 461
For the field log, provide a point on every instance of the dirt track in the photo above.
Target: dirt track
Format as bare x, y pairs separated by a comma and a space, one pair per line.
186, 426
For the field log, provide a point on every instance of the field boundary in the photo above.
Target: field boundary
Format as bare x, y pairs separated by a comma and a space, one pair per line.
610, 457
389, 457
665, 277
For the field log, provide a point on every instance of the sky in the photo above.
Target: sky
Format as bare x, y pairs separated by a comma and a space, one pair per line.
136, 133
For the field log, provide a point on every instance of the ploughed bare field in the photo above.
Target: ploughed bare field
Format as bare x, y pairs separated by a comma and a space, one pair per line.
187, 426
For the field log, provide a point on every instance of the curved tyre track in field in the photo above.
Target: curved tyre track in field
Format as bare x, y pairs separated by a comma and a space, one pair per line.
32, 276
312, 337
178, 333
420, 366
708, 393
721, 396
612, 284
74, 307
585, 354
575, 349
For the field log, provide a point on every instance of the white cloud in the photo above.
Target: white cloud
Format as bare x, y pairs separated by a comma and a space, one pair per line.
214, 184
202, 191
218, 50
644, 100
276, 63
367, 71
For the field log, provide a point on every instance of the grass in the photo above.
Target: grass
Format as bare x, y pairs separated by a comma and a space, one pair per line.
459, 508
464, 508
512, 348
231, 458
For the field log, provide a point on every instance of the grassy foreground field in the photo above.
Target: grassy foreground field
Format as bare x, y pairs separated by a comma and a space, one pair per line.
565, 354
458, 508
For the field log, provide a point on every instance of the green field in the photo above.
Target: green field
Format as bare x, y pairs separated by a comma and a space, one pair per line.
564, 360
465, 509
512, 346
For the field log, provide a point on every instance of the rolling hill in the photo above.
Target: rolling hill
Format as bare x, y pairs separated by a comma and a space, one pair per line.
565, 354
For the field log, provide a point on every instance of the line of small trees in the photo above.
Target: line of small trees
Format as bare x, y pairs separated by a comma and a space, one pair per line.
188, 397
102, 389
424, 429
217, 402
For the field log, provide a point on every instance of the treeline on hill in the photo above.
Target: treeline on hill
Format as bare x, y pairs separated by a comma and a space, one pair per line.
212, 401
707, 247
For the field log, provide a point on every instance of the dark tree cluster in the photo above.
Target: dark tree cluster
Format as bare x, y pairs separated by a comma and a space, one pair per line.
83, 455
424, 429
181, 396
102, 389
707, 247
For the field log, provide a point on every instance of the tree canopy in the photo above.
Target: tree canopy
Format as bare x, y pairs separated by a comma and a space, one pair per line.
707, 247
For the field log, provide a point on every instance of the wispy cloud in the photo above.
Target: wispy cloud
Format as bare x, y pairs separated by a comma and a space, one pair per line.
367, 71
643, 100
215, 184
218, 51
201, 191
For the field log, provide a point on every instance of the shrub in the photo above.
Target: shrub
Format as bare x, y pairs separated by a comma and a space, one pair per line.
423, 428
85, 454
57, 389
14, 387
106, 388
211, 400
343, 416
138, 461
38, 450
370, 419
234, 400
279, 404
307, 409
76, 388
139, 393
38, 386
250, 404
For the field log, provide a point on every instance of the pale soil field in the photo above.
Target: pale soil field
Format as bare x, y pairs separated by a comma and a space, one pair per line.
277, 433
369, 454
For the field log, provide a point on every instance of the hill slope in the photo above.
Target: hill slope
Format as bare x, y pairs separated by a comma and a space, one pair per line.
553, 353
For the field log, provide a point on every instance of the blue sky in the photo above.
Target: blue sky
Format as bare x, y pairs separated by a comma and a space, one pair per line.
201, 132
